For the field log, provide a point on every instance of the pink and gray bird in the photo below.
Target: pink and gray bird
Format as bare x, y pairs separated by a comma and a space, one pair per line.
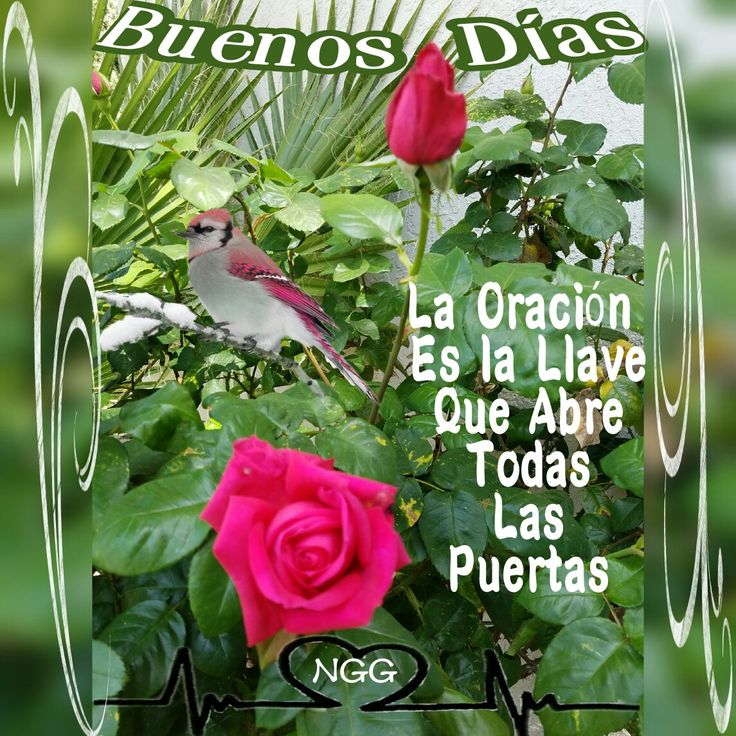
241, 287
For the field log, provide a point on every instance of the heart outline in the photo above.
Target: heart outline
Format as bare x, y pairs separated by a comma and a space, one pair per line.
321, 700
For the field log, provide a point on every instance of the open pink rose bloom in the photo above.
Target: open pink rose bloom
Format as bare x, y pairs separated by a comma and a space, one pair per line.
309, 548
426, 118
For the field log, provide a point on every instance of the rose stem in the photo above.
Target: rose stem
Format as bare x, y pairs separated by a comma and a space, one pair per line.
425, 200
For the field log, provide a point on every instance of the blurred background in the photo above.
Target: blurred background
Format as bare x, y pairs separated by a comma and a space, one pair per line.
678, 690
33, 698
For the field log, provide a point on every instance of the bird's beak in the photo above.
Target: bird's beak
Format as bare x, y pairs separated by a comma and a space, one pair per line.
185, 233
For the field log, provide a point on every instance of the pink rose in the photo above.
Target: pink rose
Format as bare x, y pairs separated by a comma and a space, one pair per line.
100, 85
426, 118
309, 548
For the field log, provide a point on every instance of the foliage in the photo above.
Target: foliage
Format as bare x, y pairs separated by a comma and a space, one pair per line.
539, 192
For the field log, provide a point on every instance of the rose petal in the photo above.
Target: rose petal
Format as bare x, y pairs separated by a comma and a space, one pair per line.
376, 580
255, 469
275, 589
261, 617
431, 61
305, 481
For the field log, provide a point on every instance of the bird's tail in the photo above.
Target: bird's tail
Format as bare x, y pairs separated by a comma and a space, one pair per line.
339, 363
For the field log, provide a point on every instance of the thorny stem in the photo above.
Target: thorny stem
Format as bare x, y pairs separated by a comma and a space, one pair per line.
425, 201
317, 367
606, 255
612, 610
556, 109
550, 128
246, 215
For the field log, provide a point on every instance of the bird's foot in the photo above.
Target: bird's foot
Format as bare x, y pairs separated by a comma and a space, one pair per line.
224, 326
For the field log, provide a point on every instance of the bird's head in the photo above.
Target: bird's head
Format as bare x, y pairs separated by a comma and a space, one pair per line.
208, 231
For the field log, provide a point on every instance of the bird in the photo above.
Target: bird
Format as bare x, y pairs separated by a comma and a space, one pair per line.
244, 291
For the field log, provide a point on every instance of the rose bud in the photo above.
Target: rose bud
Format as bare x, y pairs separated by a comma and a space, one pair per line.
100, 85
426, 119
309, 548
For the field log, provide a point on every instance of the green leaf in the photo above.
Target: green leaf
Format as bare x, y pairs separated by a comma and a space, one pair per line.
502, 146
595, 211
625, 466
628, 259
558, 607
109, 258
589, 661
502, 222
111, 477
146, 636
109, 209
440, 274
466, 670
108, 679
155, 418
108, 671
626, 581
408, 505
622, 164
182, 140
124, 139
566, 275
219, 656
449, 620
505, 274
634, 627
351, 268
302, 213
463, 723
626, 80
513, 103
560, 183
626, 514
585, 139
158, 256
360, 449
168, 585
354, 176
212, 595
364, 216
581, 69
456, 469
154, 525
349, 720
451, 518
500, 246
366, 327
205, 187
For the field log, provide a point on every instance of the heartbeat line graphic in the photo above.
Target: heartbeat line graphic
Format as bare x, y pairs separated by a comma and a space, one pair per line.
199, 711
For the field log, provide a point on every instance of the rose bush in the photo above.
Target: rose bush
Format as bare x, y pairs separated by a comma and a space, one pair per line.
308, 547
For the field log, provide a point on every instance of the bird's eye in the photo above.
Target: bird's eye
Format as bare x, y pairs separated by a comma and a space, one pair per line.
209, 229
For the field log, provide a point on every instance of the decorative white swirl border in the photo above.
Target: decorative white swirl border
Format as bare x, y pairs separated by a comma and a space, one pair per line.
677, 411
42, 160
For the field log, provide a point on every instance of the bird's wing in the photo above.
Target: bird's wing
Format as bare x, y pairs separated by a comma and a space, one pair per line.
257, 266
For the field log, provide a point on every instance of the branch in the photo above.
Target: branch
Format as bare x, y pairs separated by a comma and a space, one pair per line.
146, 315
